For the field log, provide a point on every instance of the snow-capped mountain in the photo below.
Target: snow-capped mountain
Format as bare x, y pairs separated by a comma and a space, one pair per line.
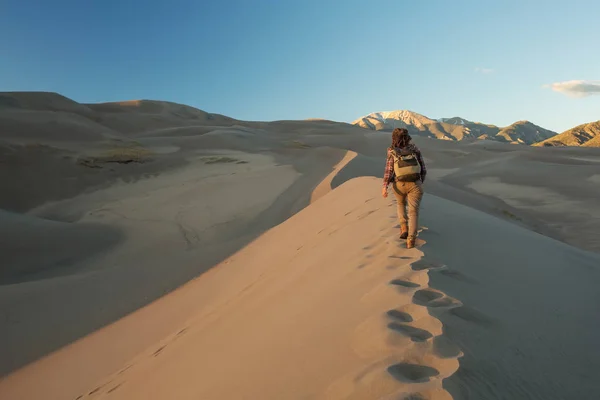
393, 119
455, 128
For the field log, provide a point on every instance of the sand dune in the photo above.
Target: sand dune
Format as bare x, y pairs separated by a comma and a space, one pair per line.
297, 296
153, 250
41, 101
71, 128
331, 304
221, 206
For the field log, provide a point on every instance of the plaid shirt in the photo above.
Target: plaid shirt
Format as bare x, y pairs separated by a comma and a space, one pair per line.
389, 176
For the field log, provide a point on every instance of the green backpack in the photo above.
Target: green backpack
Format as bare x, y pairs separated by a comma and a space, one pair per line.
406, 165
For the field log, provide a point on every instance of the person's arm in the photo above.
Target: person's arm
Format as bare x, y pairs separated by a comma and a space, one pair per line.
388, 175
423, 167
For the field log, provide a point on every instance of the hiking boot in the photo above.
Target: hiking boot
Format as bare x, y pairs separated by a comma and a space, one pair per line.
410, 243
403, 232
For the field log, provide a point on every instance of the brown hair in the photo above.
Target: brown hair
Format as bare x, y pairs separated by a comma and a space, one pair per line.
400, 137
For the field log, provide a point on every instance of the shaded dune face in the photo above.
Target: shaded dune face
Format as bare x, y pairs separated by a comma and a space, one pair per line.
35, 248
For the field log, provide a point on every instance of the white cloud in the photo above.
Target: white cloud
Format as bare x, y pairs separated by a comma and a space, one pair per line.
576, 88
484, 70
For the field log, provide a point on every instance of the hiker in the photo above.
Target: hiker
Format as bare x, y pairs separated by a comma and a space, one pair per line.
406, 169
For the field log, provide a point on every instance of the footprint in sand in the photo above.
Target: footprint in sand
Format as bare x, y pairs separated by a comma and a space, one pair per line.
414, 396
425, 296
181, 332
432, 298
403, 283
395, 257
364, 215
124, 369
160, 349
114, 388
412, 373
424, 264
415, 334
448, 302
400, 315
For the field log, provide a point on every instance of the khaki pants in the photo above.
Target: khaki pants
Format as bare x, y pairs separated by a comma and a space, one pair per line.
408, 195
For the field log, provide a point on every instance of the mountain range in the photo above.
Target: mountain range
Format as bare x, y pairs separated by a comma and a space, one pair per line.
455, 128
91, 121
587, 135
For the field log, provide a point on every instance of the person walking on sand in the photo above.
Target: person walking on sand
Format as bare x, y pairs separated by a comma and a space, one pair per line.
405, 168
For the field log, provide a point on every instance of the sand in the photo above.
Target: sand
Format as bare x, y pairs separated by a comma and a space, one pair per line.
331, 304
204, 257
287, 302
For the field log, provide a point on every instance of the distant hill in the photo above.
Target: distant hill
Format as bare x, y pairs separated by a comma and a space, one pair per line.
582, 135
524, 132
455, 128
25, 114
50, 118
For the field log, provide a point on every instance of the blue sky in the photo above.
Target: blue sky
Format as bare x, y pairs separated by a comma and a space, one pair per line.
482, 60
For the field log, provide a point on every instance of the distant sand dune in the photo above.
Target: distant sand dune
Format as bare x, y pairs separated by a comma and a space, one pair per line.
52, 127
41, 101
